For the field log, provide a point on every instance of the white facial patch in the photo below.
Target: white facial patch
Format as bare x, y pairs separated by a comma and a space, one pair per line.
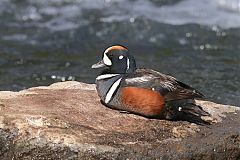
120, 57
108, 49
112, 90
106, 60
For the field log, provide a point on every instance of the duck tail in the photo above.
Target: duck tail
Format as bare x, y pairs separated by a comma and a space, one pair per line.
193, 109
185, 110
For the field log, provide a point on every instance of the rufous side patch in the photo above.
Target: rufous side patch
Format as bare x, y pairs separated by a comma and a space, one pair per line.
143, 101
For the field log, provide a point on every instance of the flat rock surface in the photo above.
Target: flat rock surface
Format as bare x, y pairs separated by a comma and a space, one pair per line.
67, 121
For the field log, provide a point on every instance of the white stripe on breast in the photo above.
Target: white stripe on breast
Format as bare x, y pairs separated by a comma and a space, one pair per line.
112, 90
105, 76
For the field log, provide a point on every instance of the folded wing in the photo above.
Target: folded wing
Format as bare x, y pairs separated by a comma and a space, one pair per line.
169, 87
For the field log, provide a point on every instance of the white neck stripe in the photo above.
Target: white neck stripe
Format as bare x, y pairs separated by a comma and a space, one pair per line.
128, 63
112, 90
105, 76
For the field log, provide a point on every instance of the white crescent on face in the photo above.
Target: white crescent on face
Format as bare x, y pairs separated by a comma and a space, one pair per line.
106, 60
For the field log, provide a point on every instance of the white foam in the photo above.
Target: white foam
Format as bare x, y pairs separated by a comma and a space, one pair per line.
64, 15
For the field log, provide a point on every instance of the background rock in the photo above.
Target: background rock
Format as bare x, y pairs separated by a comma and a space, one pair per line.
67, 121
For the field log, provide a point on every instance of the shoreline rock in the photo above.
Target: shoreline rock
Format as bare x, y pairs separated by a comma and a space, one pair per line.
66, 121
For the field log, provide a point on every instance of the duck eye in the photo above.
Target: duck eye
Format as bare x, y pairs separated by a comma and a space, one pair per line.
120, 57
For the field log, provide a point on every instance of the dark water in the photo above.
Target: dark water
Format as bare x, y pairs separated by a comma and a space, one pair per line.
198, 42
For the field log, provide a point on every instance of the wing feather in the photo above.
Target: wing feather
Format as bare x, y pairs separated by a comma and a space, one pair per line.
166, 85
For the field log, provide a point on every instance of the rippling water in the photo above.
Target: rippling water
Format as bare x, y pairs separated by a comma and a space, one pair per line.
46, 41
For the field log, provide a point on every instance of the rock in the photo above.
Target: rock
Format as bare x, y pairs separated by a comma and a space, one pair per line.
67, 121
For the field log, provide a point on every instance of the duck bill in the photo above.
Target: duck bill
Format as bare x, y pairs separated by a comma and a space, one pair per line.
100, 64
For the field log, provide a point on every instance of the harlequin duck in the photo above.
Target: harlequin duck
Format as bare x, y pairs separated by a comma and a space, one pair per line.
122, 86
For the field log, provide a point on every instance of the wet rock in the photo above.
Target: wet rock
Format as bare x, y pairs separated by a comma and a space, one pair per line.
67, 121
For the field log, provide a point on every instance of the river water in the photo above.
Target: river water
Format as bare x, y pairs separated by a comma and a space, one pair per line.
47, 41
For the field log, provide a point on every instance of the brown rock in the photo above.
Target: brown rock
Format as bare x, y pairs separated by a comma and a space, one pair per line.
67, 121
